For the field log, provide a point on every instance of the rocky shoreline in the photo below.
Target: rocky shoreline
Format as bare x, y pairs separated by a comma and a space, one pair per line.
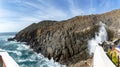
66, 41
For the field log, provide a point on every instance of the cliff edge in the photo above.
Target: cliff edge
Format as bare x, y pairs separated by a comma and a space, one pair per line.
66, 41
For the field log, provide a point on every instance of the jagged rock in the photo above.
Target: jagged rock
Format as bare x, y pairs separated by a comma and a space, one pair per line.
11, 39
50, 51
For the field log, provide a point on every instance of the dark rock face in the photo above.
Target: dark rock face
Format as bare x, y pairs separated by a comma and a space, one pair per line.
66, 41
11, 39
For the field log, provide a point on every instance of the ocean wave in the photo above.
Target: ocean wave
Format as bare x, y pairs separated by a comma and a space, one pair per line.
24, 55
49, 63
22, 47
26, 60
18, 53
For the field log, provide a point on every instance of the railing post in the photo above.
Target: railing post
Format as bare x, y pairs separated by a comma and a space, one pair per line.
118, 61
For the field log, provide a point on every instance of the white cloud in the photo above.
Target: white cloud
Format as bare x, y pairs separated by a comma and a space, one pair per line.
29, 19
15, 21
12, 26
6, 27
47, 11
91, 10
75, 10
53, 14
4, 13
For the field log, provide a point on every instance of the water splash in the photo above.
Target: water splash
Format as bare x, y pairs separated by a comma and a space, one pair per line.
100, 37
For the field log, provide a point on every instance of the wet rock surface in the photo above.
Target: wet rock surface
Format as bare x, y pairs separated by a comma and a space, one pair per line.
11, 39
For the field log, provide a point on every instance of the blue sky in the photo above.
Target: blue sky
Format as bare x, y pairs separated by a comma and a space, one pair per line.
17, 14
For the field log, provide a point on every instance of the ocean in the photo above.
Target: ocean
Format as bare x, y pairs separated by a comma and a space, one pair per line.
23, 54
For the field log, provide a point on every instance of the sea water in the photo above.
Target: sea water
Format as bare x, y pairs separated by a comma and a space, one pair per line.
23, 55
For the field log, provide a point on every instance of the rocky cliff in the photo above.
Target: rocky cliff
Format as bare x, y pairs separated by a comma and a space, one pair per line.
66, 41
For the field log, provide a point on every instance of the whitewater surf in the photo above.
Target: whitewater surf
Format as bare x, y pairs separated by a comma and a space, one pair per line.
23, 55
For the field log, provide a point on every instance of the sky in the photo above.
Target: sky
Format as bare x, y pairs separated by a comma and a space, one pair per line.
18, 14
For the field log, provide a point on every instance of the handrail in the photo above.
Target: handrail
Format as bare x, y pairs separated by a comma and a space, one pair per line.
100, 58
7, 60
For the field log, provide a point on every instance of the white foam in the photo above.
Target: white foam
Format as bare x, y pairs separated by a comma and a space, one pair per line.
22, 47
25, 60
16, 52
52, 63
100, 37
39, 58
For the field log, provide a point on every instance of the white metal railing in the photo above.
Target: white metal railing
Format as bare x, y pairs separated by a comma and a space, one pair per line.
100, 58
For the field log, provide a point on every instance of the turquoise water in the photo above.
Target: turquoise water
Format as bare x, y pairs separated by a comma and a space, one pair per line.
23, 55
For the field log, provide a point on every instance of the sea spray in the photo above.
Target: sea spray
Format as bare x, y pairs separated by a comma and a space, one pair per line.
100, 37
